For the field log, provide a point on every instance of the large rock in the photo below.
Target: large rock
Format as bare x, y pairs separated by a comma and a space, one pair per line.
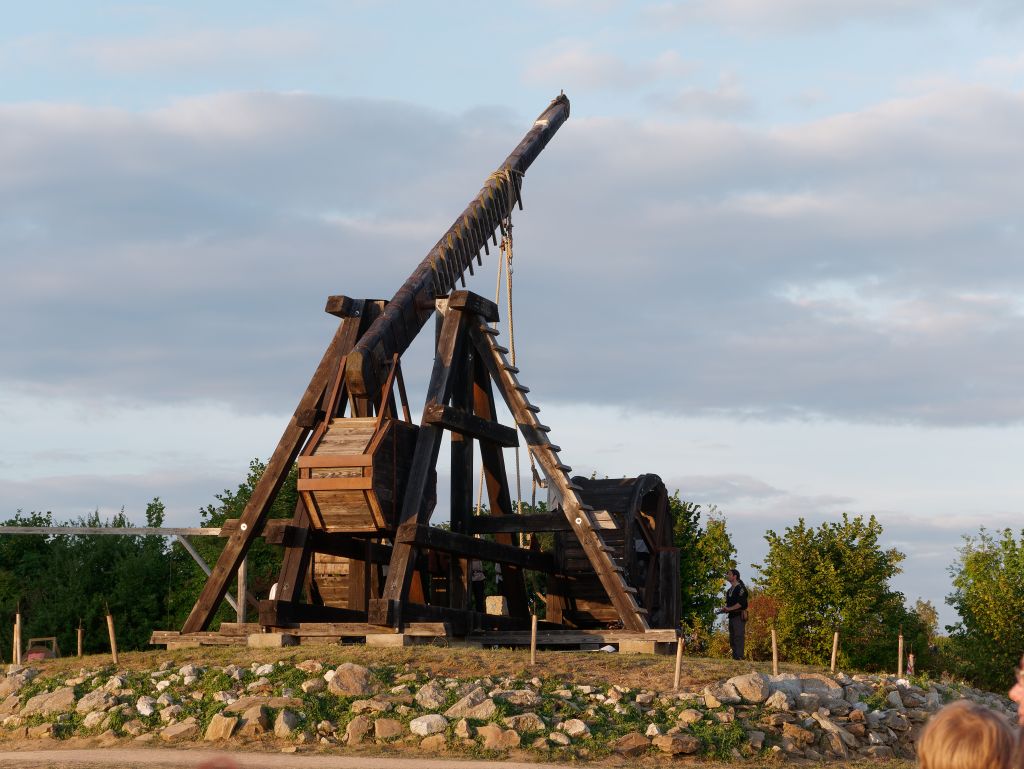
387, 729
689, 716
496, 738
632, 744
778, 700
752, 687
221, 727
372, 705
351, 680
314, 686
526, 723
431, 723
186, 730
96, 700
255, 721
676, 744
285, 723
822, 685
10, 705
145, 706
48, 703
433, 743
357, 729
476, 704
718, 694
786, 682
431, 696
797, 734
12, 685
524, 698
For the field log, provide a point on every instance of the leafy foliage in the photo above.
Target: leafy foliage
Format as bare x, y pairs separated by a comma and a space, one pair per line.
836, 577
988, 593
706, 552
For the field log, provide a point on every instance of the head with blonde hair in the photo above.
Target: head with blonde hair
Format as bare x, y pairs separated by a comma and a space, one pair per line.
966, 735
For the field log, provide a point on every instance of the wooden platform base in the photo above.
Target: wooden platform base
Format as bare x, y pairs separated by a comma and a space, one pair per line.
418, 633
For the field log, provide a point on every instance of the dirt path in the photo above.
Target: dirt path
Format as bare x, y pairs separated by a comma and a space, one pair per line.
103, 758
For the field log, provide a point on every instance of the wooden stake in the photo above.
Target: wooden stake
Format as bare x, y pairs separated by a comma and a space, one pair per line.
775, 654
81, 640
17, 637
835, 650
113, 638
243, 580
533, 639
899, 662
679, 663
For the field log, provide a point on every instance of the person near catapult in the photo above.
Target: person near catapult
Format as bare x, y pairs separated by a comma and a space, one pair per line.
736, 608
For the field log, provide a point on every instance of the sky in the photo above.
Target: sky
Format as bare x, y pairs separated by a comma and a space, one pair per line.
773, 256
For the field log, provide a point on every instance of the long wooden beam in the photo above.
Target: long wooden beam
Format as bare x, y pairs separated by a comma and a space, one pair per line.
513, 524
461, 544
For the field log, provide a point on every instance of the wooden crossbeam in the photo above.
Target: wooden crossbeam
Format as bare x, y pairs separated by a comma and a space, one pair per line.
513, 524
462, 544
469, 425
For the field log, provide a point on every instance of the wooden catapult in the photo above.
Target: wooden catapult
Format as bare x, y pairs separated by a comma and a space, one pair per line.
360, 555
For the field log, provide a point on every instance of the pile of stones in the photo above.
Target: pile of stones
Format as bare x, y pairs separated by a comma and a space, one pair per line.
305, 706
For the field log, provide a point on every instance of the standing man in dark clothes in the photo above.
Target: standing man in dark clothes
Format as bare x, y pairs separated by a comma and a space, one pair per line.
736, 608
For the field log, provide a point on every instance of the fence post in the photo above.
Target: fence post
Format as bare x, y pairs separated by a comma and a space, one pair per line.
17, 636
81, 639
899, 662
533, 639
679, 662
243, 582
775, 654
835, 650
113, 637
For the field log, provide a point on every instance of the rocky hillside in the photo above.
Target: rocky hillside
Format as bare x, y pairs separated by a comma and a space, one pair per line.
303, 706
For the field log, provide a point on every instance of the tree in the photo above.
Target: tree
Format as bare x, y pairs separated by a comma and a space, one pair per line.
836, 577
988, 594
705, 554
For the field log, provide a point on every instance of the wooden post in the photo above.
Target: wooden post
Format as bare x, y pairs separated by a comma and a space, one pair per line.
113, 638
899, 661
835, 650
17, 637
81, 639
533, 639
679, 663
243, 581
775, 654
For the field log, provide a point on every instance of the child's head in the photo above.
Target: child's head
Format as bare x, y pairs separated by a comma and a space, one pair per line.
966, 735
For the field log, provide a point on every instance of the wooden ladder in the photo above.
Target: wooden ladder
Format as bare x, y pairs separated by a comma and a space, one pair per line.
579, 514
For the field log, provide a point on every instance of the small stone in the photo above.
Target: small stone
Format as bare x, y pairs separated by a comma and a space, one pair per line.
41, 731
463, 730
146, 706
310, 666
559, 738
525, 723
476, 705
524, 698
372, 705
263, 670
797, 734
575, 728
632, 744
428, 724
171, 713
314, 686
653, 730
94, 719
778, 700
756, 739
387, 729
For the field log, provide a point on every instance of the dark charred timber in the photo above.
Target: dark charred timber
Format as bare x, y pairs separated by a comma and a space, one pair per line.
413, 304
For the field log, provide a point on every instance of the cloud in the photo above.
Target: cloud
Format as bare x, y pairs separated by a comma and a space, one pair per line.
576, 66
863, 267
199, 49
783, 15
727, 99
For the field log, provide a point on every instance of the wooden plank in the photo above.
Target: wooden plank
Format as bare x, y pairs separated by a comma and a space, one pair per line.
462, 544
569, 637
461, 492
326, 460
270, 482
282, 613
449, 349
512, 524
471, 426
467, 301
335, 484
116, 531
